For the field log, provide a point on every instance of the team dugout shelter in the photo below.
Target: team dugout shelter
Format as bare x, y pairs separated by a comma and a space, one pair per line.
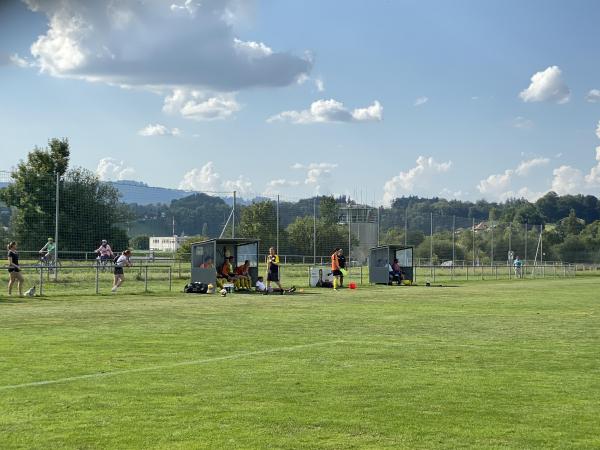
382, 257
208, 256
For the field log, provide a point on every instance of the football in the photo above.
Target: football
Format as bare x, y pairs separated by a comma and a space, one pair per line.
223, 292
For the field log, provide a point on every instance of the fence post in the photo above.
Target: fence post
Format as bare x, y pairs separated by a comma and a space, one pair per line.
433, 272
467, 273
146, 278
41, 280
361, 273
277, 224
170, 278
97, 279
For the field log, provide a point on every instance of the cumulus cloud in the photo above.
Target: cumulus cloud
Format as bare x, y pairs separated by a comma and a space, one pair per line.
522, 123
525, 167
274, 187
111, 169
593, 96
547, 85
152, 43
241, 185
197, 105
204, 178
320, 84
324, 111
317, 175
598, 130
418, 176
16, 60
421, 101
499, 186
158, 130
567, 180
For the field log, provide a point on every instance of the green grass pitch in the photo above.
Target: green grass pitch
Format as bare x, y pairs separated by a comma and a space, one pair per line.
485, 364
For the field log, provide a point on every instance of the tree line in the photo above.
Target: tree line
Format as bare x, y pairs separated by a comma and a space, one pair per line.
91, 210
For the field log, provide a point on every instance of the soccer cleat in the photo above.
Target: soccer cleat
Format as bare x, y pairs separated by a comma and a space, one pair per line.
114, 289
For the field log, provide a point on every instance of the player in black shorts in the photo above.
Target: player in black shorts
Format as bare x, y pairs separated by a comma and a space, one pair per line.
14, 271
342, 264
273, 273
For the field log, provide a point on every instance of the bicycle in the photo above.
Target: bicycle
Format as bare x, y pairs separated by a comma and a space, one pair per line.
103, 263
47, 262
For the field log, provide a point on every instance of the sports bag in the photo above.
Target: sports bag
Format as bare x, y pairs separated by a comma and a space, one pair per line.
196, 287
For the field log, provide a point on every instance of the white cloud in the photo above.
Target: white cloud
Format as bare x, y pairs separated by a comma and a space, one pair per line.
196, 105
593, 96
241, 185
547, 85
253, 50
499, 186
525, 167
567, 180
275, 187
592, 179
522, 123
324, 111
153, 43
318, 175
158, 130
450, 194
320, 84
421, 101
111, 169
406, 182
495, 185
204, 179
16, 60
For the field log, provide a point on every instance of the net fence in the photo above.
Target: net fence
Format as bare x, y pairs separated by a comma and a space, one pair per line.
63, 220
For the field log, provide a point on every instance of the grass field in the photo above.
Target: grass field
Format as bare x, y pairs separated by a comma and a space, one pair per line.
485, 364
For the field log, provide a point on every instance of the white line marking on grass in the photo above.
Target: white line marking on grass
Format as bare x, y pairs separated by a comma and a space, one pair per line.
166, 366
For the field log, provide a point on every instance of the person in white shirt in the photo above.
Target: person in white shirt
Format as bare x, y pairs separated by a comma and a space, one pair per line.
124, 260
260, 285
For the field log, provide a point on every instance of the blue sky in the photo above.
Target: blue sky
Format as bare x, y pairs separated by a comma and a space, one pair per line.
462, 99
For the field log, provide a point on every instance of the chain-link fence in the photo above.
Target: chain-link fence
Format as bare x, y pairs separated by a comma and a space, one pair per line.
62, 220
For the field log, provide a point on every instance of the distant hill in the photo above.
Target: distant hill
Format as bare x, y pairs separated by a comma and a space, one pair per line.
142, 194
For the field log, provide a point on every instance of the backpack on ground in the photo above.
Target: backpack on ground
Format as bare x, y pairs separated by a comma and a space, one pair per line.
196, 287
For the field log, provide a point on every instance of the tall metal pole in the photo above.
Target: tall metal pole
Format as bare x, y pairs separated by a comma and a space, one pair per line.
378, 224
526, 243
510, 238
349, 237
315, 230
453, 234
277, 214
473, 231
56, 226
431, 239
492, 252
233, 216
405, 227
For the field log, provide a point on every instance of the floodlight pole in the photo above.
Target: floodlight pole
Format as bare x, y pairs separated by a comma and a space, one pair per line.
277, 231
233, 216
405, 227
56, 225
378, 224
473, 232
431, 239
453, 233
315, 230
349, 236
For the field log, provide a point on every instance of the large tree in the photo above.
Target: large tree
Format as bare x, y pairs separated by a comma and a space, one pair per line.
89, 209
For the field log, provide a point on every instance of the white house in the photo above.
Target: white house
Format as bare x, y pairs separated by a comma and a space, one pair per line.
166, 243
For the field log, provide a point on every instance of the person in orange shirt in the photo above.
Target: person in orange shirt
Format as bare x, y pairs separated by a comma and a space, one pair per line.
335, 269
243, 273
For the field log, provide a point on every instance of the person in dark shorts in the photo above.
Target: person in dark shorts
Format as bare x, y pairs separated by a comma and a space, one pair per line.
14, 271
342, 264
122, 261
273, 274
273, 269
335, 269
